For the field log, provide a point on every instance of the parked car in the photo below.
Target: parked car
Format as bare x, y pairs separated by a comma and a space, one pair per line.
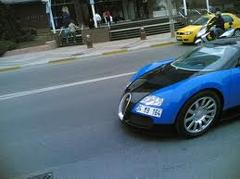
189, 92
189, 33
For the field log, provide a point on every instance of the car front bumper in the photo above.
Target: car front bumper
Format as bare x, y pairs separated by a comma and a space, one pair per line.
138, 121
185, 38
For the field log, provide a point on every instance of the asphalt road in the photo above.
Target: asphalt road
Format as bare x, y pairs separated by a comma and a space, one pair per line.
62, 118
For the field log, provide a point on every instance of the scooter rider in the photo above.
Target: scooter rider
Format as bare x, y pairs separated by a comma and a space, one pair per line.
219, 23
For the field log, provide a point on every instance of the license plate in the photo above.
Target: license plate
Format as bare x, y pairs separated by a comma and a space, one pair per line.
151, 111
179, 38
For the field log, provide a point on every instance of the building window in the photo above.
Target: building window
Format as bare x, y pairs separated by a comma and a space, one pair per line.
160, 8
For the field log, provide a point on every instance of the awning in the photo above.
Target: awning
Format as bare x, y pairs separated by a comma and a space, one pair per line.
18, 1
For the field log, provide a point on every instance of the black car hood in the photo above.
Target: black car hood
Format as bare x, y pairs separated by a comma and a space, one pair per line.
158, 78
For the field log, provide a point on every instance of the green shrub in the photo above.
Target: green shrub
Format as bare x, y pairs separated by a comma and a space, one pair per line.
6, 45
11, 28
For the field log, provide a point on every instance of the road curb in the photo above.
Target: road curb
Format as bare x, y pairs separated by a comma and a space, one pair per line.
114, 52
162, 44
11, 68
63, 60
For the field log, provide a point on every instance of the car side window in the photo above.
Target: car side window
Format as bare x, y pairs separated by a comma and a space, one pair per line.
227, 18
234, 61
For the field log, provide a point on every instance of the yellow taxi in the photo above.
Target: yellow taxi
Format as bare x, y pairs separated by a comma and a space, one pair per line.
188, 33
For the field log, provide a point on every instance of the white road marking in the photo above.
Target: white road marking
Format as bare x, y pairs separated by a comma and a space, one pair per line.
51, 88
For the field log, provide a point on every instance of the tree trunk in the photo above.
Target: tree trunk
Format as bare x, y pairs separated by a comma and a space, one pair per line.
78, 12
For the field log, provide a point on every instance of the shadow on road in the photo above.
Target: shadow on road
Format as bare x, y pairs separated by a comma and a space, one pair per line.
158, 132
229, 117
169, 132
186, 44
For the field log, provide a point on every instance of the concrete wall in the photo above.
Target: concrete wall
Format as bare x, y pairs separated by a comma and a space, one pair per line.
98, 35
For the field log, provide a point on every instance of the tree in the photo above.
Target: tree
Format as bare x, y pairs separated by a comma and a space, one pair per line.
11, 31
11, 28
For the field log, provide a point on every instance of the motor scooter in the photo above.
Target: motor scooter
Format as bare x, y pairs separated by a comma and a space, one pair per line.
206, 34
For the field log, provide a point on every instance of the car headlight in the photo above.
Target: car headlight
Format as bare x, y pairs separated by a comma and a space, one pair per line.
187, 33
152, 101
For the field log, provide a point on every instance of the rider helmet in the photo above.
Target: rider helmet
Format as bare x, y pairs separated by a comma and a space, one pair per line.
218, 13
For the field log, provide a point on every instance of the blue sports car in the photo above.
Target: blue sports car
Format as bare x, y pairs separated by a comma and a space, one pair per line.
190, 92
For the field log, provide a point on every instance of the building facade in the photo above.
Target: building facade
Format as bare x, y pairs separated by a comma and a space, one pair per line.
130, 10
34, 12
120, 10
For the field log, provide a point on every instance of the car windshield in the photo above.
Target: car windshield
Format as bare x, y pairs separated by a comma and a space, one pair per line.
201, 21
205, 58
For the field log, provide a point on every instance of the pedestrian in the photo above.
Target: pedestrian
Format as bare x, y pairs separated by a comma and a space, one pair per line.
98, 19
66, 16
72, 30
219, 23
64, 33
107, 17
91, 23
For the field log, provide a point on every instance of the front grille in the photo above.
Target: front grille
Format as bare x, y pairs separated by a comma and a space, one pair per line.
124, 104
139, 121
180, 33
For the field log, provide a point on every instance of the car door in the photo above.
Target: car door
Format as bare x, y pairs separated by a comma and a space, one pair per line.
235, 86
236, 21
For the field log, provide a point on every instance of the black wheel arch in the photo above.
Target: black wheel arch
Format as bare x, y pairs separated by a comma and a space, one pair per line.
219, 94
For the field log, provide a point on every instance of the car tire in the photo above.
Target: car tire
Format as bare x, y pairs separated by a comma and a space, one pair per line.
198, 114
237, 33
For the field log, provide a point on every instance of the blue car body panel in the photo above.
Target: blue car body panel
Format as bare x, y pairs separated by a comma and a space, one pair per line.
225, 82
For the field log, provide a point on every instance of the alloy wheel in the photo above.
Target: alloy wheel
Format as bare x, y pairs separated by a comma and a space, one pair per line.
200, 115
237, 33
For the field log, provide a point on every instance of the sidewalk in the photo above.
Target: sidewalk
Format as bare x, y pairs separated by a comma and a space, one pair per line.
16, 61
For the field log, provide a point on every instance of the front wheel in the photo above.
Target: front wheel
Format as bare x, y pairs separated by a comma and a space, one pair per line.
198, 41
198, 114
237, 33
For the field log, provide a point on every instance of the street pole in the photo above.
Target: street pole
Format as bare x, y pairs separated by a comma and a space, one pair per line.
49, 4
208, 7
94, 15
51, 16
185, 7
170, 15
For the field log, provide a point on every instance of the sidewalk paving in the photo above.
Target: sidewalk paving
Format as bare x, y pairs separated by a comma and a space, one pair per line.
16, 61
